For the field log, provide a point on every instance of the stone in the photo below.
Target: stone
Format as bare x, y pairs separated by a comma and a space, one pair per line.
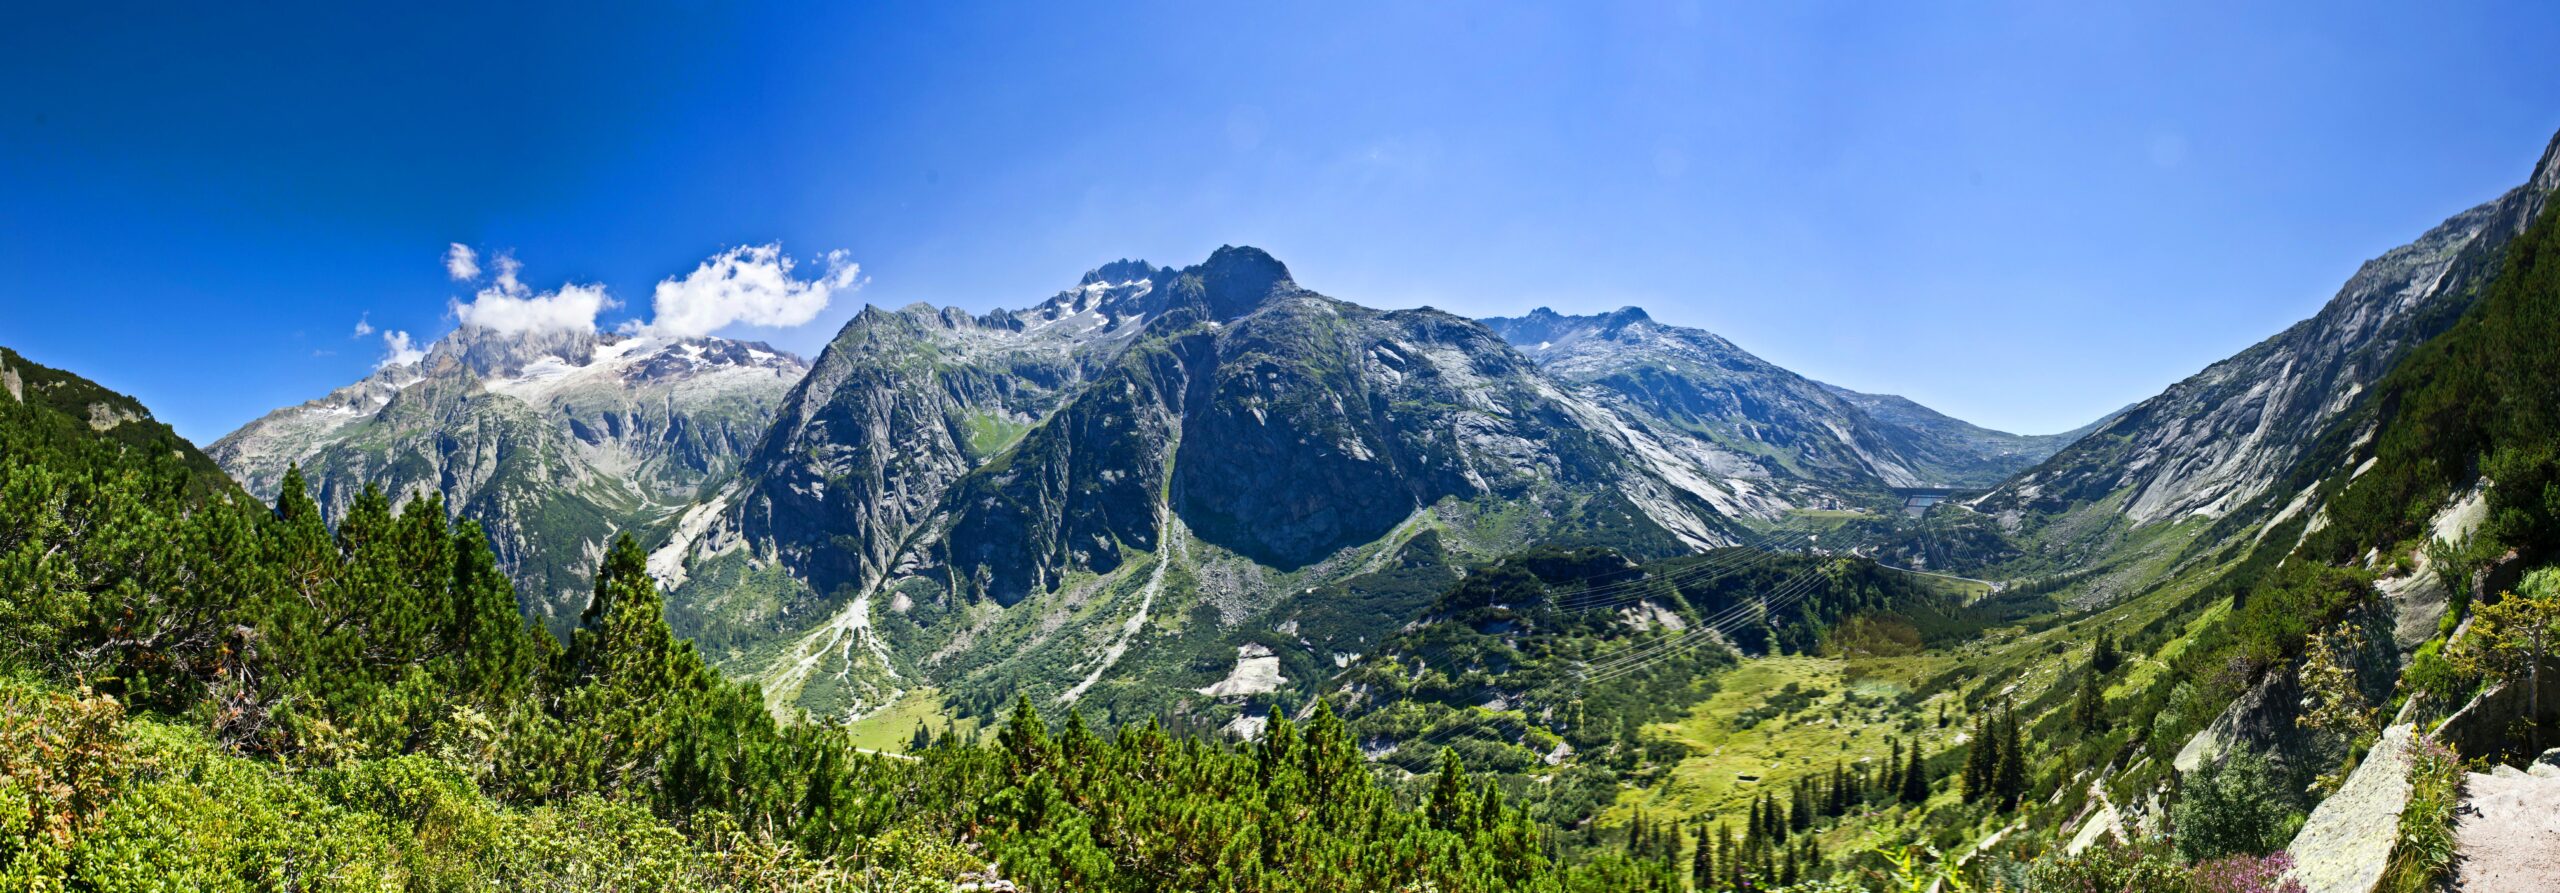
2347, 842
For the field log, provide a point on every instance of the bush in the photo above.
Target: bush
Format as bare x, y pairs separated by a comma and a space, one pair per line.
2239, 808
2424, 850
2111, 867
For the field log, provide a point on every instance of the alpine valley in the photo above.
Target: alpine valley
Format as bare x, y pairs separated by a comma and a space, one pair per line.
1318, 596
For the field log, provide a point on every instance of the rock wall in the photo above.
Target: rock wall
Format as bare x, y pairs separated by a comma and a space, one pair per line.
2347, 842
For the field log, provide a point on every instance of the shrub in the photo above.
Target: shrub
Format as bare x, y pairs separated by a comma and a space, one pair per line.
2112, 866
2424, 850
2245, 874
2240, 807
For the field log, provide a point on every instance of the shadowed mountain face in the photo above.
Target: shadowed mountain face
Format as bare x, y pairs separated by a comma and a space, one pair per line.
1157, 442
551, 441
1793, 426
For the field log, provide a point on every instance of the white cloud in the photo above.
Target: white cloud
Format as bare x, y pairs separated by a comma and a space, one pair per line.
749, 284
506, 305
364, 326
461, 263
573, 308
400, 351
507, 268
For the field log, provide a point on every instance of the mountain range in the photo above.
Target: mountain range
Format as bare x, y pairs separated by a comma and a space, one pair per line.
1127, 487
552, 441
1632, 576
1079, 480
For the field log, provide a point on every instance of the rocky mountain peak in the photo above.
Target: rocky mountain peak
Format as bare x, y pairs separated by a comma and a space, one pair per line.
489, 353
1118, 272
1237, 280
1624, 316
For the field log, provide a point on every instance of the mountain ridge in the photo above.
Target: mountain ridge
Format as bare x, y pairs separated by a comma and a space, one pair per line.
553, 441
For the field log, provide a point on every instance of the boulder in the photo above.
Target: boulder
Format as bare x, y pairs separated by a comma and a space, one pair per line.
2347, 842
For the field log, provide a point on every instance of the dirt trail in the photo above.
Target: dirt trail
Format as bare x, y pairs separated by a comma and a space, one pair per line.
2507, 832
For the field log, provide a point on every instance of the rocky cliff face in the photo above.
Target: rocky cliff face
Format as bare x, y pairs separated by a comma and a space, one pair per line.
1048, 486
1753, 411
553, 442
2214, 443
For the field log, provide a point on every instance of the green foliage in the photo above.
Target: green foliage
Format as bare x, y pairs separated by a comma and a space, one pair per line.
138, 804
2423, 852
2146, 866
2089, 705
2473, 402
2237, 807
2512, 638
363, 708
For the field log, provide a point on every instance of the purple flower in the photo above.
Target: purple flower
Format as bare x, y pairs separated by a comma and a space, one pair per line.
2246, 874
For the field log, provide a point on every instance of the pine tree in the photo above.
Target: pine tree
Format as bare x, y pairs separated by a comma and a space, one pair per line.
1448, 808
1728, 853
1025, 739
2009, 778
1838, 802
1702, 864
2088, 709
1915, 780
1981, 757
2104, 656
1893, 764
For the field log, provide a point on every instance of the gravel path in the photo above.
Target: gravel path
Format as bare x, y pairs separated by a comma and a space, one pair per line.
2508, 833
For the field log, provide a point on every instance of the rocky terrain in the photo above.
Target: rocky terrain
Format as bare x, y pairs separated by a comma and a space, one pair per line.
1699, 383
2508, 828
552, 441
951, 495
2218, 441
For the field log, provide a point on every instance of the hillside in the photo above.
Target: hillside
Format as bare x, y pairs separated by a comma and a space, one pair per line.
552, 441
1792, 426
68, 408
2219, 442
1099, 497
228, 695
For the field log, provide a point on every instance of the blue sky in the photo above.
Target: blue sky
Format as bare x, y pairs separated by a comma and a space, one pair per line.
2021, 214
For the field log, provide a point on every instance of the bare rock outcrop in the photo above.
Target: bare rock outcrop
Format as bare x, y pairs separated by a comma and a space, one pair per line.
2347, 842
2507, 831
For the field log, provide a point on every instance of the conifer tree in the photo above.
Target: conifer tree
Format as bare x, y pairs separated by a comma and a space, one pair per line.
1728, 853
1981, 758
1025, 739
1702, 865
1836, 803
2009, 778
1449, 793
1915, 779
1893, 764
2088, 708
